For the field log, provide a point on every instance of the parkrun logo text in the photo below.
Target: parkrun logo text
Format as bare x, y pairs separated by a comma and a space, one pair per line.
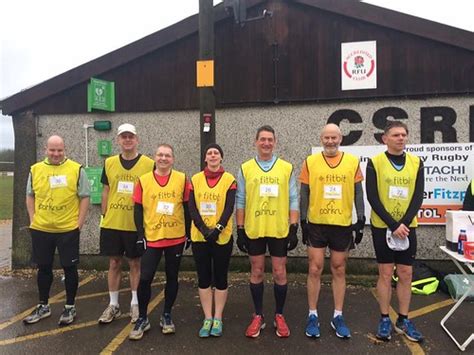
121, 204
164, 224
48, 205
329, 209
264, 211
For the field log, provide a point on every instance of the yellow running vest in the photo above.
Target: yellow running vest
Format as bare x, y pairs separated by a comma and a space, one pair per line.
210, 202
472, 187
331, 190
56, 199
163, 211
267, 199
119, 213
395, 187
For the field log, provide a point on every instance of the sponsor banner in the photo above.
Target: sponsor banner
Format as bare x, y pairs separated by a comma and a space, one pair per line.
448, 170
359, 65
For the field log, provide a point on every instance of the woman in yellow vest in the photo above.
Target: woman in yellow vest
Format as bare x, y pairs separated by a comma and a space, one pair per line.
211, 204
163, 222
468, 203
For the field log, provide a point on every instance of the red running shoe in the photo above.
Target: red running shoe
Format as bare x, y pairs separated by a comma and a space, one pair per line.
282, 329
253, 330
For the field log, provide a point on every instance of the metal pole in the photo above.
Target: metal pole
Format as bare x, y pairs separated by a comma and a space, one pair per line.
207, 101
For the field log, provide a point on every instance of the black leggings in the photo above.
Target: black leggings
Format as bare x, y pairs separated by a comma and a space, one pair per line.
149, 264
45, 280
212, 263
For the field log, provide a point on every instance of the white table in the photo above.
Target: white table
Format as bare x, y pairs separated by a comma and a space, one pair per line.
459, 260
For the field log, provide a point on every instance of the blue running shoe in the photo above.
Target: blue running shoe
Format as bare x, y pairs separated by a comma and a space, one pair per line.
339, 325
205, 330
408, 328
384, 332
312, 327
216, 330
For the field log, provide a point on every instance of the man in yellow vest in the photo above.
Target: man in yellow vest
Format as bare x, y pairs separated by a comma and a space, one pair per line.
267, 216
331, 183
395, 186
118, 234
468, 203
163, 223
57, 199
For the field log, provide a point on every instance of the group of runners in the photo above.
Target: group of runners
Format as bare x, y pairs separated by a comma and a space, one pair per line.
150, 209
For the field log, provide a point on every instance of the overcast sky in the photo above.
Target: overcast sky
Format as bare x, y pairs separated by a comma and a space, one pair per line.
41, 39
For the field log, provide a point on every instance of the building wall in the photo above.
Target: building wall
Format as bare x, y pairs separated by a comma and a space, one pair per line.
297, 128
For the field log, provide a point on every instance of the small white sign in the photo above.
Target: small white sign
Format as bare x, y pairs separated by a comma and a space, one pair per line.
57, 181
359, 65
125, 187
268, 190
208, 209
166, 208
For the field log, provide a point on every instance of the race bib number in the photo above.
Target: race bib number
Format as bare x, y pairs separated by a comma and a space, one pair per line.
166, 208
208, 209
398, 192
333, 192
125, 187
57, 181
268, 190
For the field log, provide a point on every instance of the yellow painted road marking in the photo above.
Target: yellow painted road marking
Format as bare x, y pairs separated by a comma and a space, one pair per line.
98, 294
120, 338
47, 333
430, 308
53, 299
414, 347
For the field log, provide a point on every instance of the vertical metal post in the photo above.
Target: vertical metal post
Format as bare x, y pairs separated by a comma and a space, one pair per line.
207, 101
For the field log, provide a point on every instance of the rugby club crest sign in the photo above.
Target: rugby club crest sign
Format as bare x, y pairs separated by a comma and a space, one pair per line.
359, 65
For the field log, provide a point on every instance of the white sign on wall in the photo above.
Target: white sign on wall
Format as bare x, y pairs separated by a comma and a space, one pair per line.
359, 65
449, 168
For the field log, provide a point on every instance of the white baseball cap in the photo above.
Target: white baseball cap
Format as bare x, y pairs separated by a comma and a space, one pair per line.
126, 127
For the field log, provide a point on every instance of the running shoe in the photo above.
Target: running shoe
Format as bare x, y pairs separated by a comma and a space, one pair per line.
216, 330
407, 327
134, 312
41, 311
68, 315
312, 327
257, 324
384, 332
339, 325
166, 324
281, 328
206, 328
110, 313
141, 326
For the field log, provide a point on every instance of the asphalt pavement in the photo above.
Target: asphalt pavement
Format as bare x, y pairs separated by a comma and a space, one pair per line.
18, 294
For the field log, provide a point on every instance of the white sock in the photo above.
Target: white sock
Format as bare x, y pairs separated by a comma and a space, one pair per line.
114, 296
69, 306
337, 313
313, 311
134, 298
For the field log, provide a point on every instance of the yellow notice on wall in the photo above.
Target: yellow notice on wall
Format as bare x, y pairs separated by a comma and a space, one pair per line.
204, 73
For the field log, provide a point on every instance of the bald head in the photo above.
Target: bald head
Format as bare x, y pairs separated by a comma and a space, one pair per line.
331, 128
55, 150
331, 138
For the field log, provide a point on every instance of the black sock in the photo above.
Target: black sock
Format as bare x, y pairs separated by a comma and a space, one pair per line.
280, 296
257, 295
401, 317
71, 281
385, 315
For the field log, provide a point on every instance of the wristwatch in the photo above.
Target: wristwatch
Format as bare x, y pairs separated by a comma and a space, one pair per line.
219, 227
